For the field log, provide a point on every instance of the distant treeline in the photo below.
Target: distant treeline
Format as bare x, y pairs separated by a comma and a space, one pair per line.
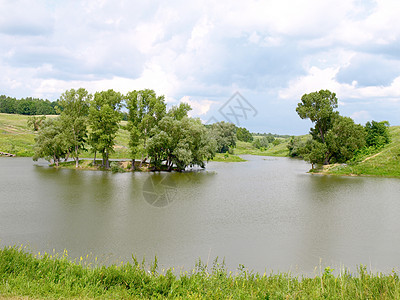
29, 106
285, 136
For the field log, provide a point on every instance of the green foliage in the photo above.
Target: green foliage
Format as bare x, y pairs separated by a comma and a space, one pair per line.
35, 122
23, 274
374, 161
377, 133
263, 142
180, 111
319, 108
224, 134
27, 106
244, 135
74, 119
314, 152
295, 146
51, 142
344, 139
104, 119
182, 143
145, 110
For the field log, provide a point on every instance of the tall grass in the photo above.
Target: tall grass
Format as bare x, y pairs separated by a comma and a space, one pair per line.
23, 274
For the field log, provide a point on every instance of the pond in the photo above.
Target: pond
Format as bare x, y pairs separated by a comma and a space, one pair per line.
267, 214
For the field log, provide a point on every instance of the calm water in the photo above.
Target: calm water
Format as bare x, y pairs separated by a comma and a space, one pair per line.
266, 214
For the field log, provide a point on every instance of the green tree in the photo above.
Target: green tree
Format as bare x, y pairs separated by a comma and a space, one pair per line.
75, 119
295, 145
314, 152
104, 118
225, 135
377, 133
344, 139
8, 105
319, 108
36, 122
262, 142
180, 111
50, 143
244, 135
145, 110
180, 143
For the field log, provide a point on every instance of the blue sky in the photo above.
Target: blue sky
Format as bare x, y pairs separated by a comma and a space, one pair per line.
203, 52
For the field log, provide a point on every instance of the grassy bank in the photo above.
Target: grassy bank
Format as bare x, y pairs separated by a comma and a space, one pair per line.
44, 276
226, 157
384, 162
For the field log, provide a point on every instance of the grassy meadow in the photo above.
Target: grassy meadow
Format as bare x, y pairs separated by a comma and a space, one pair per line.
44, 276
15, 136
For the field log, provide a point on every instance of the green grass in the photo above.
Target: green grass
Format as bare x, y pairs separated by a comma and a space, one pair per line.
226, 157
45, 276
15, 136
278, 150
385, 162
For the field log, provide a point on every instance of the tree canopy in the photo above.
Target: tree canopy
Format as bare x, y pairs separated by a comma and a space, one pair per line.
334, 138
319, 108
104, 118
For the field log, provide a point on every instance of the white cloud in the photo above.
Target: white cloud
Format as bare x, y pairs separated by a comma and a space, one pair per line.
361, 117
201, 49
199, 107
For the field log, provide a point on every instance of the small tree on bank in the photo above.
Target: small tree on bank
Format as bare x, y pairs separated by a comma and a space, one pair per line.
51, 141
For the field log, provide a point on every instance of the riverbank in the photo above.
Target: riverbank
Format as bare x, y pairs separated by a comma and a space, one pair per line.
384, 162
40, 276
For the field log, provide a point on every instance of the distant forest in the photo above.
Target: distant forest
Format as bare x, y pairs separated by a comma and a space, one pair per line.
29, 106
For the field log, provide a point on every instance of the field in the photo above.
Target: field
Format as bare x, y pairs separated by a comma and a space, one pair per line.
15, 136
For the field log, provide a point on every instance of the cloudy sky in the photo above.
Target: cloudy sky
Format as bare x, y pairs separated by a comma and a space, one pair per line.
203, 52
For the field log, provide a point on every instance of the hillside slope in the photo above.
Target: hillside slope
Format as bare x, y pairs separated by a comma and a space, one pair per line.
386, 162
15, 136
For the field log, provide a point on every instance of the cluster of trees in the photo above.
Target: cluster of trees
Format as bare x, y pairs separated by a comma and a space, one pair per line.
335, 139
167, 138
28, 106
244, 135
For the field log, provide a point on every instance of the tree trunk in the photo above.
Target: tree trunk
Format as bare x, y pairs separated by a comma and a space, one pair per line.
67, 157
107, 161
76, 157
141, 162
94, 159
133, 165
322, 135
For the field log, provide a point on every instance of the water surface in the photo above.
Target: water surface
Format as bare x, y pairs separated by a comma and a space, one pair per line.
266, 214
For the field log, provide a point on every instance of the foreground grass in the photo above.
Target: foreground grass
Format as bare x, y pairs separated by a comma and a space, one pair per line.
385, 162
53, 277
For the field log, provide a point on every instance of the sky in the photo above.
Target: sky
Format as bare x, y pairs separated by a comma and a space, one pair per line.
248, 62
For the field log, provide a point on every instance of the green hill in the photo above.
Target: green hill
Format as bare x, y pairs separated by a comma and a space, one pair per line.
385, 162
15, 136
